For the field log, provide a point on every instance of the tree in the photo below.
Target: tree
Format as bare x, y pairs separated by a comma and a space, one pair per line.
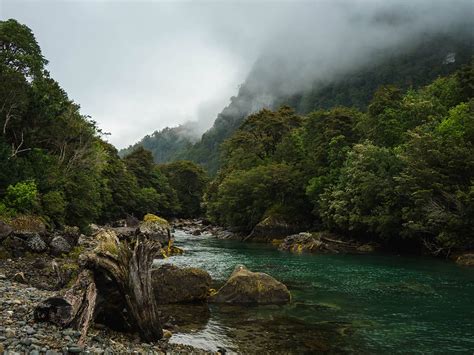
189, 181
19, 49
363, 198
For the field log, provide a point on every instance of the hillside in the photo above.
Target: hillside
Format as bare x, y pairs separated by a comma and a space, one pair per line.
415, 65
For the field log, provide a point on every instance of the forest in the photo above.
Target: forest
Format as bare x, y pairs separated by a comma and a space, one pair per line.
400, 171
55, 162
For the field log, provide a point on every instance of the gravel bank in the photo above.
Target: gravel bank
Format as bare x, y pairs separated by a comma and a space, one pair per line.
19, 333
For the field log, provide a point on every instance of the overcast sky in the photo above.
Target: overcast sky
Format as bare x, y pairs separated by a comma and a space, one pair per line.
139, 66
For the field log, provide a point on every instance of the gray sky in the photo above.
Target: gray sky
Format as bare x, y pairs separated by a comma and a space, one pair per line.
139, 66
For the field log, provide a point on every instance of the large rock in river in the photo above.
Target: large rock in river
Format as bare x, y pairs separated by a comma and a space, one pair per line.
172, 284
245, 286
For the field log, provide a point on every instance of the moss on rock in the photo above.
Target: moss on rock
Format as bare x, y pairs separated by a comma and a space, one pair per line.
245, 286
149, 217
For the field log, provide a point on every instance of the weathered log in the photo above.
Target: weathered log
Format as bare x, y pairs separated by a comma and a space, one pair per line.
75, 308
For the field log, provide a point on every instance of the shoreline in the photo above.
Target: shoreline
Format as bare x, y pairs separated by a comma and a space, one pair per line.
19, 333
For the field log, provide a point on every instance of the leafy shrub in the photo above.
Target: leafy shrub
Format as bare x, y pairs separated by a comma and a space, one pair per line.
23, 196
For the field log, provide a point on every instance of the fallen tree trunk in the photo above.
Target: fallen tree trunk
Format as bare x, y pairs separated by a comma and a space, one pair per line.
118, 273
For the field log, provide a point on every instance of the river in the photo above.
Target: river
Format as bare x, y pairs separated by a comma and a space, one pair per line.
340, 303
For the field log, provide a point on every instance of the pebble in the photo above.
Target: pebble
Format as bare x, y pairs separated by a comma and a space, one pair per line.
30, 331
9, 333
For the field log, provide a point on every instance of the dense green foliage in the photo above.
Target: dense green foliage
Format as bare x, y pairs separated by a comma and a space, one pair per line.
53, 159
189, 182
402, 172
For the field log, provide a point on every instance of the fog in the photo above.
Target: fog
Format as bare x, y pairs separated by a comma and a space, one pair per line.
137, 67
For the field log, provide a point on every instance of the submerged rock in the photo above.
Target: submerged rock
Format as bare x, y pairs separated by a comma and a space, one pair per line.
465, 259
245, 286
173, 284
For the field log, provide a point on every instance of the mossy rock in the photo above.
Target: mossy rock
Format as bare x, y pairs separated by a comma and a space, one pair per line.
247, 287
149, 217
172, 284
156, 228
108, 242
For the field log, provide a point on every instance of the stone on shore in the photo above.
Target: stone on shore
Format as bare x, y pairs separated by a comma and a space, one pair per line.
173, 284
247, 287
59, 245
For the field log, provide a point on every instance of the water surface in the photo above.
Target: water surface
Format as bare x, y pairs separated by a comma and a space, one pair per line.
341, 303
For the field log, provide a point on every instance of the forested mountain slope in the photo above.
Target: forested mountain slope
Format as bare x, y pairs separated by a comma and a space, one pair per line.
414, 65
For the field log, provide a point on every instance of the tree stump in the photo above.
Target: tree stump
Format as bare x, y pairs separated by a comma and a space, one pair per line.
119, 273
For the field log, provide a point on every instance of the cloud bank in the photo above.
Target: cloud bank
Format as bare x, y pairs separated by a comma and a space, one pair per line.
137, 67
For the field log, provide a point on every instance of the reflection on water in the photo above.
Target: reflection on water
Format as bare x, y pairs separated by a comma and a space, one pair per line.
341, 303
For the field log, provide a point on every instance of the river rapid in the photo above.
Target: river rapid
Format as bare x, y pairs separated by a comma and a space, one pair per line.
340, 303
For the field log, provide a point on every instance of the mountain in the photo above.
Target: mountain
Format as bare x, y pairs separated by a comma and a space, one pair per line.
164, 144
410, 66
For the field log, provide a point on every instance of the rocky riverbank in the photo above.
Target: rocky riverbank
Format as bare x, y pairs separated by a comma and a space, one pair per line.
19, 333
66, 292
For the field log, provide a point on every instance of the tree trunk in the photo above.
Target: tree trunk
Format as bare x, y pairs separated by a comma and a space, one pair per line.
121, 276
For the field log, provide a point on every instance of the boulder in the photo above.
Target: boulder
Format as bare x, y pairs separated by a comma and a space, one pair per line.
36, 243
172, 284
272, 227
245, 286
465, 259
59, 245
302, 242
155, 228
322, 242
5, 230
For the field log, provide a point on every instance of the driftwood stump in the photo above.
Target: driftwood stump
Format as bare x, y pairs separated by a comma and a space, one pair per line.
116, 284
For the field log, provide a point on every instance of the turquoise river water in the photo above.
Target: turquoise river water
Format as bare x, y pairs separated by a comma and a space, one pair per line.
340, 303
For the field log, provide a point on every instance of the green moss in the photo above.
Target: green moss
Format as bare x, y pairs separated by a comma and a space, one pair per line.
74, 253
149, 217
